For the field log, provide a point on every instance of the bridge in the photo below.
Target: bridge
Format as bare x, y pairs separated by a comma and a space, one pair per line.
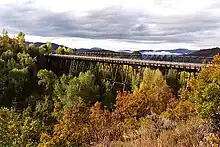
63, 63
117, 69
120, 70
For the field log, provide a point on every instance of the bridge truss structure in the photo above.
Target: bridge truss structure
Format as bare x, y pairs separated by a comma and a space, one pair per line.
118, 69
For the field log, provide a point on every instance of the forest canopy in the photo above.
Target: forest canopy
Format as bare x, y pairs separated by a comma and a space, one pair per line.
40, 108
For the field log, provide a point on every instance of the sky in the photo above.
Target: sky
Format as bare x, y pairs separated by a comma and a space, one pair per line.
115, 24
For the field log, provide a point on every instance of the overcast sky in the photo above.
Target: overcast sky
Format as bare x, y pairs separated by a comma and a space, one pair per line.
115, 24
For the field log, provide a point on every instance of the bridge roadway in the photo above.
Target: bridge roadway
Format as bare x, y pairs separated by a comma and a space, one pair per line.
134, 62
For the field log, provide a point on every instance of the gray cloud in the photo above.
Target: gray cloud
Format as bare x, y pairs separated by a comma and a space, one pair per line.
110, 23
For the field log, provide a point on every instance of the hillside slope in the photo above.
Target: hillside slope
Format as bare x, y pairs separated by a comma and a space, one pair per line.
206, 52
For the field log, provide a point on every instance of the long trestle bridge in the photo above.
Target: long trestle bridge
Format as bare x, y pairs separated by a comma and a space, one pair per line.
64, 63
117, 66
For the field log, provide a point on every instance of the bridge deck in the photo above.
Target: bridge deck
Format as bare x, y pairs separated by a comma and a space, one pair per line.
135, 62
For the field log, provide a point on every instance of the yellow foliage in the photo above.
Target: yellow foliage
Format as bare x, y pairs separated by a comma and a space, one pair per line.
183, 111
204, 90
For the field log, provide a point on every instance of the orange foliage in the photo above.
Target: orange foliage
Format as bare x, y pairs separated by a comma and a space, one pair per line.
106, 125
81, 126
144, 102
73, 129
216, 60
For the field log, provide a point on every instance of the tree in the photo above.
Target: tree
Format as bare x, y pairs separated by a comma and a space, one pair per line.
153, 96
19, 89
205, 90
61, 50
21, 40
173, 80
82, 86
184, 77
25, 61
46, 48
60, 87
106, 125
69, 51
3, 80
7, 55
17, 129
14, 91
183, 111
46, 79
135, 82
109, 98
64, 51
13, 44
17, 72
137, 54
73, 129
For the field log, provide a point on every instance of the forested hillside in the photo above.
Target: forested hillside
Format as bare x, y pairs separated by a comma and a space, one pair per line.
206, 52
40, 108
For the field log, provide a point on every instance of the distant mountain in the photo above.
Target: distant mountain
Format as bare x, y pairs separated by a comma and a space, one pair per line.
206, 52
181, 51
82, 49
94, 49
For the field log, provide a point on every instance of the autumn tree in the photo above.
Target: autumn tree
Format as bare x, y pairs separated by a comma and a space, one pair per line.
73, 129
153, 96
205, 90
184, 78
106, 125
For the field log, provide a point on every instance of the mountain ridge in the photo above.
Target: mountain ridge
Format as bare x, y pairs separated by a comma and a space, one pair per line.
206, 52
178, 51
